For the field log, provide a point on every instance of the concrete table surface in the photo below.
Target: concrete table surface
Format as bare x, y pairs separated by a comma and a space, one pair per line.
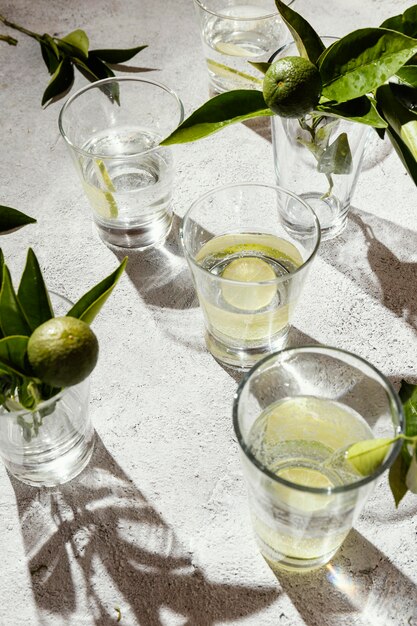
158, 525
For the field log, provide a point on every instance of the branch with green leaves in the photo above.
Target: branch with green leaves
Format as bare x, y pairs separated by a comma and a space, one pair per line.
11, 219
366, 456
21, 313
359, 82
62, 54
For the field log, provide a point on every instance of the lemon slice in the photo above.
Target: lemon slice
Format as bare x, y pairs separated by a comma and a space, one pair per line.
305, 476
247, 270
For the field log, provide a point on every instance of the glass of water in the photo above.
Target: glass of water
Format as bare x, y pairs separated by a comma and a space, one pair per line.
113, 128
249, 247
234, 32
295, 414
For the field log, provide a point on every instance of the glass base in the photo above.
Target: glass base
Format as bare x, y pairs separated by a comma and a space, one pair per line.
300, 566
138, 237
331, 216
58, 470
243, 357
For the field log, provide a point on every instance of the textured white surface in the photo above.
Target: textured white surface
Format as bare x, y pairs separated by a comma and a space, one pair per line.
158, 524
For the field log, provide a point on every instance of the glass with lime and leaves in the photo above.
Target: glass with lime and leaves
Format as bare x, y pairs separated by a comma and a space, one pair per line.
315, 94
47, 353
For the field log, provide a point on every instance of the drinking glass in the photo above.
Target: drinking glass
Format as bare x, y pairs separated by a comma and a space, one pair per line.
113, 128
248, 247
295, 414
54, 443
320, 162
235, 32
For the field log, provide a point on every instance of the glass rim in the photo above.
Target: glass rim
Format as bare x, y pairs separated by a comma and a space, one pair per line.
97, 85
218, 13
60, 393
274, 281
330, 350
292, 42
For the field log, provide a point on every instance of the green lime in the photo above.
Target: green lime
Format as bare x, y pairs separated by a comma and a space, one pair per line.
249, 270
62, 351
292, 87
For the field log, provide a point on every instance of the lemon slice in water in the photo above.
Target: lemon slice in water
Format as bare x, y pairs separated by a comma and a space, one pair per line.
248, 270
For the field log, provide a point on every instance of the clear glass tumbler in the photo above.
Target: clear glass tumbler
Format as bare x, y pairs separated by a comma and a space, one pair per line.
235, 32
113, 128
249, 247
54, 443
320, 159
295, 414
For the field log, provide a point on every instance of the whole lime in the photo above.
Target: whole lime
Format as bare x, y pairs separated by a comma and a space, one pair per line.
292, 87
62, 351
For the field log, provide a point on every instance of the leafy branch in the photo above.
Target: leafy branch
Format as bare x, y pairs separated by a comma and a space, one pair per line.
61, 55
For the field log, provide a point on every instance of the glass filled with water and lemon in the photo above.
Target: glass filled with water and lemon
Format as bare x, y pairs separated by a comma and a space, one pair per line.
295, 415
249, 247
113, 129
234, 32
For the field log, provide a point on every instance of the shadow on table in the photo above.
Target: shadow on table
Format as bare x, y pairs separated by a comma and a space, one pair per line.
360, 584
161, 274
385, 277
96, 544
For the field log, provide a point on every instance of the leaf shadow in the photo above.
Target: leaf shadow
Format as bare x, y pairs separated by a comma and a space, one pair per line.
386, 278
360, 585
97, 542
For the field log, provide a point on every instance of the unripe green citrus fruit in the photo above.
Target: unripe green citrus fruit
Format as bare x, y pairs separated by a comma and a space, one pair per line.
292, 87
62, 351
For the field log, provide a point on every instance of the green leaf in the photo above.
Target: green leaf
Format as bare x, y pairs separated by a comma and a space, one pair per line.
408, 74
307, 40
50, 53
33, 294
13, 354
117, 55
90, 304
362, 61
262, 67
366, 456
78, 42
222, 110
229, 72
401, 119
411, 478
12, 318
404, 153
337, 157
397, 477
12, 218
405, 23
408, 397
361, 110
94, 69
61, 80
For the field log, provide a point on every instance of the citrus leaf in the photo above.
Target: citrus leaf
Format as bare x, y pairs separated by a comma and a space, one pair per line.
307, 40
397, 477
77, 41
337, 157
12, 318
61, 80
13, 354
366, 456
262, 67
90, 304
405, 23
50, 53
94, 70
12, 218
229, 72
362, 61
222, 110
401, 119
117, 55
411, 478
404, 153
361, 110
408, 74
33, 294
408, 397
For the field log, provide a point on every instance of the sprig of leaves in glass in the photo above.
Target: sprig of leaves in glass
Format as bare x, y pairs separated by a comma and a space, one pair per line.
23, 311
354, 72
62, 54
